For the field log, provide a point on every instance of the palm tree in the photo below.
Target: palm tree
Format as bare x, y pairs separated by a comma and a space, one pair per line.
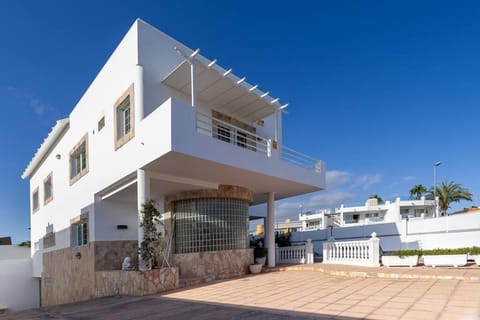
376, 196
417, 191
451, 192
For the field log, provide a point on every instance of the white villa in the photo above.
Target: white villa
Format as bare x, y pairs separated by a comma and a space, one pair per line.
160, 121
371, 213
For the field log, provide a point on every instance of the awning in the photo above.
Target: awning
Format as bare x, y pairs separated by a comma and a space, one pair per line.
223, 91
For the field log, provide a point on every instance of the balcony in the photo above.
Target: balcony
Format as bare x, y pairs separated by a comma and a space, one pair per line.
241, 138
182, 141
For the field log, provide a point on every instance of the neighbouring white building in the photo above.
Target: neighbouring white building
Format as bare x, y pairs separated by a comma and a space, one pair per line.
371, 213
160, 121
315, 220
18, 290
374, 212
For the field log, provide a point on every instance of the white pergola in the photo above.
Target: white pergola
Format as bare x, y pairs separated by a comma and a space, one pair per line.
224, 92
220, 89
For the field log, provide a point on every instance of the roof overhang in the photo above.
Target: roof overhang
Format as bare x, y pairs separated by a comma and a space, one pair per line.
222, 91
45, 147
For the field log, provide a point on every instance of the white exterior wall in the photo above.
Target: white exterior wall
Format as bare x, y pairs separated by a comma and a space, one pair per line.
461, 230
18, 290
103, 168
113, 213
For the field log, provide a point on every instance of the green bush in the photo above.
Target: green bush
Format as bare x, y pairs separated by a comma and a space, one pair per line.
433, 252
259, 252
404, 253
475, 251
438, 252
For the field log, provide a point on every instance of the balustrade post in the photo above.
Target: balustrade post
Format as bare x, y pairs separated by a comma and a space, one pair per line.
277, 255
309, 251
374, 250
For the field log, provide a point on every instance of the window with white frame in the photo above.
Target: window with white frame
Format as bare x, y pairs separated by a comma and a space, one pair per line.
124, 122
47, 189
79, 160
35, 201
79, 231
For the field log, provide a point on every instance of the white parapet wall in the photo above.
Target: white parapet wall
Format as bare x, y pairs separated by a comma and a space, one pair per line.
455, 231
18, 290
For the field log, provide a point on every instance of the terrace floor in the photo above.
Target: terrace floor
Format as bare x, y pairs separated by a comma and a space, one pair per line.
296, 294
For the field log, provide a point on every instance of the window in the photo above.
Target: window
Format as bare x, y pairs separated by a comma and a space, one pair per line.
35, 202
47, 189
124, 124
79, 230
241, 139
79, 160
49, 240
223, 133
101, 124
231, 130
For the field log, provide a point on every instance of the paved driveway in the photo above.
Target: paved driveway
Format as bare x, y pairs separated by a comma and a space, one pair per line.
287, 295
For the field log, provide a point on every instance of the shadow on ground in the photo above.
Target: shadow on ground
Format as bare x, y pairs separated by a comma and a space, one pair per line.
123, 308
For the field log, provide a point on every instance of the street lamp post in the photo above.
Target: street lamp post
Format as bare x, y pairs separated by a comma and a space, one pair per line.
435, 165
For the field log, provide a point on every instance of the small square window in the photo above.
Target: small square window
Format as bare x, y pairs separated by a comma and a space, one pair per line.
35, 201
47, 189
101, 124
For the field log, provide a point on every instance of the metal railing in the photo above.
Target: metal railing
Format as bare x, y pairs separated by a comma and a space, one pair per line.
300, 159
232, 134
235, 135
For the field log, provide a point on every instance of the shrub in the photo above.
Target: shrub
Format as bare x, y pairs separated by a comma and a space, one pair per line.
404, 253
438, 252
259, 252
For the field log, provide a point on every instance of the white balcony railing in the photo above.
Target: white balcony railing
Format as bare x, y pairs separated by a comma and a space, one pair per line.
242, 138
302, 160
295, 254
359, 253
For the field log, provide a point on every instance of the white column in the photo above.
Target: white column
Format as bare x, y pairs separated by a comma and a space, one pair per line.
193, 82
271, 229
138, 95
143, 195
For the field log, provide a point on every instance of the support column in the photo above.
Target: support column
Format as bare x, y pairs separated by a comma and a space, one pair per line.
143, 195
138, 95
193, 82
271, 229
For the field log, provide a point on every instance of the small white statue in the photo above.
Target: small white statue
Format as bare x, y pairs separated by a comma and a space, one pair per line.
126, 264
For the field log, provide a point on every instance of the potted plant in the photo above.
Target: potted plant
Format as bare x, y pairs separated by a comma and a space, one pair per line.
260, 255
445, 257
474, 254
401, 258
255, 268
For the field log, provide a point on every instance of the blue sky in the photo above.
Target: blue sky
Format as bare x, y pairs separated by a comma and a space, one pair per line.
379, 89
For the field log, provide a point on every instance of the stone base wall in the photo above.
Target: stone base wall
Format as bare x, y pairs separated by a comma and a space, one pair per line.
68, 275
135, 283
109, 255
214, 265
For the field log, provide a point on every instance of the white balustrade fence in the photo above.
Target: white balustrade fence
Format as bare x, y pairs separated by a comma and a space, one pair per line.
359, 253
295, 254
